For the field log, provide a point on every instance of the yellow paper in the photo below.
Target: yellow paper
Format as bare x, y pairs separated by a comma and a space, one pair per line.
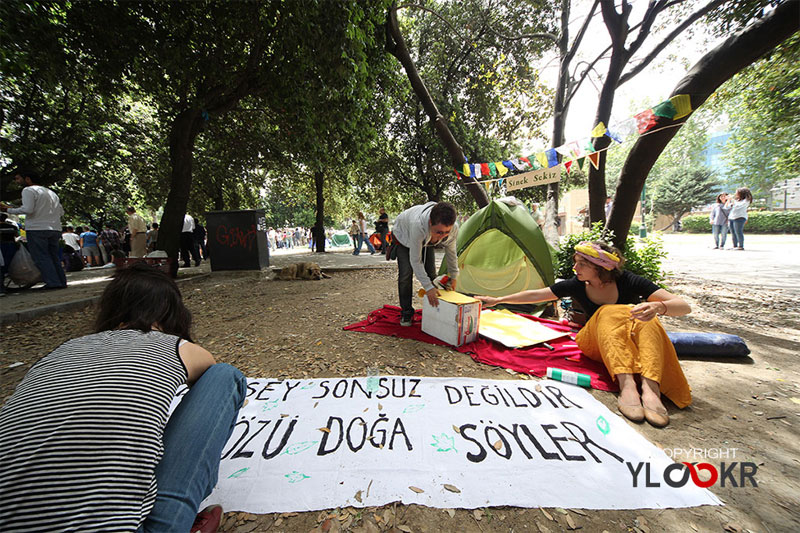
514, 331
455, 297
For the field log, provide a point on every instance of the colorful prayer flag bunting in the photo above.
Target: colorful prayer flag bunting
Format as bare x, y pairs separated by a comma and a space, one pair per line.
485, 169
501, 168
683, 105
599, 130
567, 166
466, 170
541, 157
552, 157
645, 120
594, 159
665, 109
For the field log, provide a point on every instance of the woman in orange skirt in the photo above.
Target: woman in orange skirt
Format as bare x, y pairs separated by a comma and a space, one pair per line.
623, 330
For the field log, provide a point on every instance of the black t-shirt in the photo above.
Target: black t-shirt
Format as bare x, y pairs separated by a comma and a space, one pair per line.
382, 224
632, 289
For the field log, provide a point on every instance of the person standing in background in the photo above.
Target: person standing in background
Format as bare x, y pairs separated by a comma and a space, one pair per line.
382, 227
138, 229
152, 237
187, 242
43, 211
719, 220
737, 218
200, 239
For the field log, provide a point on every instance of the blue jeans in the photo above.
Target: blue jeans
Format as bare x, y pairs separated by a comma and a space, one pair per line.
362, 238
737, 232
405, 275
193, 440
720, 233
44, 248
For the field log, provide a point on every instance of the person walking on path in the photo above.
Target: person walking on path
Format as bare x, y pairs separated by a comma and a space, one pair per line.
43, 211
719, 220
188, 250
362, 235
382, 227
737, 217
416, 231
103, 454
354, 235
152, 237
138, 229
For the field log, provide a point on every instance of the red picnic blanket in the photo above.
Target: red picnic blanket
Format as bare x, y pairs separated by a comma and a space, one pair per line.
533, 360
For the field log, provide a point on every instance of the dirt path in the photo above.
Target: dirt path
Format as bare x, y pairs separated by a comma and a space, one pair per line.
294, 329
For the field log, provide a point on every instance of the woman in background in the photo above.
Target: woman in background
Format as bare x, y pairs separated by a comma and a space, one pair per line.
85, 443
738, 216
719, 220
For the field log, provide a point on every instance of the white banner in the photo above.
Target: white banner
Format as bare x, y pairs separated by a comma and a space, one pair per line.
542, 176
304, 445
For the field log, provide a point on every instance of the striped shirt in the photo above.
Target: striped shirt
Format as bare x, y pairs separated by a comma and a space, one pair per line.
81, 436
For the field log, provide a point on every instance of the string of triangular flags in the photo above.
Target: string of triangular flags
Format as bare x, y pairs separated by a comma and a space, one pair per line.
675, 108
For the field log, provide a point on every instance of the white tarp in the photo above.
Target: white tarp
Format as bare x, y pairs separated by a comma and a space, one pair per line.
498, 442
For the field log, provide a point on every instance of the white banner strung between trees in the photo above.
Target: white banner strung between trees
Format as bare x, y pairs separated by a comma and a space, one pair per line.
531, 179
312, 444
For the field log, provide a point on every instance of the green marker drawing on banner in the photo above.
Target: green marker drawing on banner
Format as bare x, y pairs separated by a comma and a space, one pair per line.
414, 408
239, 472
309, 386
444, 443
295, 476
602, 425
373, 379
270, 405
294, 449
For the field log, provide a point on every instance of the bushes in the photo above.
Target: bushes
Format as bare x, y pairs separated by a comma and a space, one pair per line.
757, 222
644, 261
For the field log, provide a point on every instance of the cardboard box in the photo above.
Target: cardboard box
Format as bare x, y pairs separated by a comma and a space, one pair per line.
456, 319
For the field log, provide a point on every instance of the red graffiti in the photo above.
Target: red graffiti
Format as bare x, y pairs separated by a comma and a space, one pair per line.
236, 237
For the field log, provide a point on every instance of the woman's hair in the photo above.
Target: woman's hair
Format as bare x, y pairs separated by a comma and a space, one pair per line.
613, 274
719, 197
743, 193
360, 215
144, 298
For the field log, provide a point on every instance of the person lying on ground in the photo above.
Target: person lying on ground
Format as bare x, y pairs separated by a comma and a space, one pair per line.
623, 331
85, 443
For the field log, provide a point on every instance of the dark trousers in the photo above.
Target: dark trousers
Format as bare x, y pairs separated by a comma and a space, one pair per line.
384, 244
44, 249
188, 248
405, 275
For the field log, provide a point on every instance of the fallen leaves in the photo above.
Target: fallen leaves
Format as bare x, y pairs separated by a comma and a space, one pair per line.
452, 488
416, 489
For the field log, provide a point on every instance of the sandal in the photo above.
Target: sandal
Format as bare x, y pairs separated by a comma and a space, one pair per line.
634, 413
656, 418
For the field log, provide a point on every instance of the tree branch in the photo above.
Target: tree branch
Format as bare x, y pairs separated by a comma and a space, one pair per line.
668, 39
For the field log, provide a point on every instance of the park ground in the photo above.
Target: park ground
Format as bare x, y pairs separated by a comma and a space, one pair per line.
293, 329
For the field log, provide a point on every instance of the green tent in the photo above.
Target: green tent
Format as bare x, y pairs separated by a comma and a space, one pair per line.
341, 239
502, 250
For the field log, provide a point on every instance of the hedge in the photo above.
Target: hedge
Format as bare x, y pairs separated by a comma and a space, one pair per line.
757, 222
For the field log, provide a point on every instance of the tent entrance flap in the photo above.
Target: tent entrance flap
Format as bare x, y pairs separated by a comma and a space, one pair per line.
494, 265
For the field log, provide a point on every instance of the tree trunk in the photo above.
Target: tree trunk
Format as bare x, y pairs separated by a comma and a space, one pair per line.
717, 66
560, 110
396, 46
318, 231
185, 129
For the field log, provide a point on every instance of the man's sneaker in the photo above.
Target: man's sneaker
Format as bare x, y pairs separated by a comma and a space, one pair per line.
405, 322
207, 520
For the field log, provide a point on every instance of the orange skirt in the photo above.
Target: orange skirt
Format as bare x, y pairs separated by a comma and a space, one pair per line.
635, 347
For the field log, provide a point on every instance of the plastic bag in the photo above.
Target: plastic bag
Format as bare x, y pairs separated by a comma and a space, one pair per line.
22, 270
